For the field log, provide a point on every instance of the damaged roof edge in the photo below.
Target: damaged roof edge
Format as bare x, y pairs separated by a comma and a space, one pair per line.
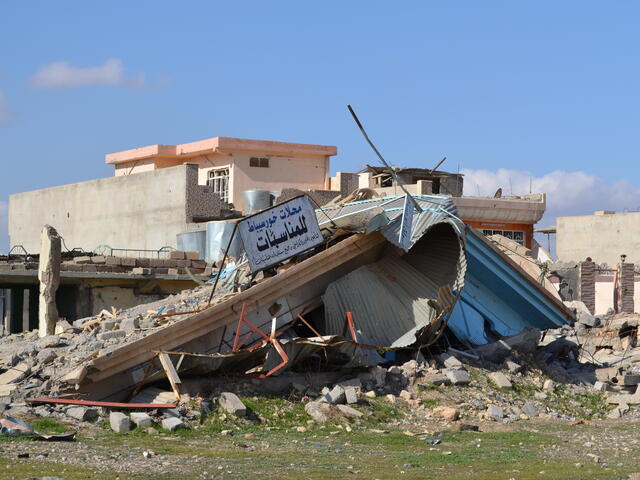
558, 304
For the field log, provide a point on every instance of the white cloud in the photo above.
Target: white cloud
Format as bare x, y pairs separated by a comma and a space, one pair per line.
568, 193
6, 115
63, 74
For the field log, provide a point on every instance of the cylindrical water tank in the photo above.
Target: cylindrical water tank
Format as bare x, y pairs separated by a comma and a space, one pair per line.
193, 242
256, 200
218, 235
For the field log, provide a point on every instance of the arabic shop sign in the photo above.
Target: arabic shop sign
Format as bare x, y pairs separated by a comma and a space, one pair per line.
279, 233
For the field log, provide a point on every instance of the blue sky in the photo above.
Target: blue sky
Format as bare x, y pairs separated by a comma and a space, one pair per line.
527, 87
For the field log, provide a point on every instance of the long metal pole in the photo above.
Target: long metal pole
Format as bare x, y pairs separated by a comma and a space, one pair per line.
384, 162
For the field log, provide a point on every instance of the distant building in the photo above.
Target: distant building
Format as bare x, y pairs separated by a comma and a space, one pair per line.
512, 216
603, 237
231, 165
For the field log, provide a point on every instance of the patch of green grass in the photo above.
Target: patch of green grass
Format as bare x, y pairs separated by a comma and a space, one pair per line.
50, 425
430, 402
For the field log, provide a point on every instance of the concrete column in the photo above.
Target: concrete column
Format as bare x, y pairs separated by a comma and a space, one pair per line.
587, 285
627, 277
26, 296
49, 276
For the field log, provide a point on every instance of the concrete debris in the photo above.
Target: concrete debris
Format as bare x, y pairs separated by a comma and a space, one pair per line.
232, 404
83, 414
172, 424
494, 412
119, 422
458, 377
501, 380
320, 412
141, 419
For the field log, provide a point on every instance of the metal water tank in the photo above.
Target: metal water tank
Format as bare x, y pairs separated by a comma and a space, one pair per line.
256, 200
218, 235
195, 241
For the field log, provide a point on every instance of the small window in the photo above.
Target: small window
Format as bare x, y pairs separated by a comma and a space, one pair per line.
219, 180
516, 235
261, 162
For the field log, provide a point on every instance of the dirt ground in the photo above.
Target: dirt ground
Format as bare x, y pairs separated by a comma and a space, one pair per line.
283, 444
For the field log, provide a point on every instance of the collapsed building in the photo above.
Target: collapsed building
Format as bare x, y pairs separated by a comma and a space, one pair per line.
344, 271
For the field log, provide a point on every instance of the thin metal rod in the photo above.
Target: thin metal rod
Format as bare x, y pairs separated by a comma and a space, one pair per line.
384, 162
224, 259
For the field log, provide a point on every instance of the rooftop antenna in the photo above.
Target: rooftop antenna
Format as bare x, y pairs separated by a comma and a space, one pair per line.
530, 185
384, 162
510, 186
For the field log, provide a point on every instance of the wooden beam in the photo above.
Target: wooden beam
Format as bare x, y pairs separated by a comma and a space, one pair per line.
323, 267
172, 374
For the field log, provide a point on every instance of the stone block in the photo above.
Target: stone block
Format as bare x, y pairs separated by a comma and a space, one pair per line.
549, 385
113, 261
82, 260
172, 271
83, 414
141, 271
336, 395
119, 422
182, 263
629, 379
129, 325
232, 404
192, 255
46, 356
99, 259
201, 264
501, 380
141, 419
156, 262
128, 262
90, 268
599, 386
494, 412
351, 395
112, 334
172, 424
177, 255
530, 410
447, 413
450, 361
458, 377
513, 367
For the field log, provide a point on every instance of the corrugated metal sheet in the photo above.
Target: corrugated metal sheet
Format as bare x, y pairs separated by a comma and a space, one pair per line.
390, 299
499, 299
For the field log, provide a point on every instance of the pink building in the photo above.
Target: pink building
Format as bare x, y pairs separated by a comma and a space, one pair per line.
232, 165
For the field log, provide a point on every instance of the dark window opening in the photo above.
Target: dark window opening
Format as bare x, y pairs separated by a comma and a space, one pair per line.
261, 162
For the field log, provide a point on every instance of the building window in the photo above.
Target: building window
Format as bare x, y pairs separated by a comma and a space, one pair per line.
262, 162
219, 180
514, 235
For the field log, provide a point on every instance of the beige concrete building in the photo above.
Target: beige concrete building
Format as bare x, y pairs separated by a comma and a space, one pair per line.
603, 236
233, 165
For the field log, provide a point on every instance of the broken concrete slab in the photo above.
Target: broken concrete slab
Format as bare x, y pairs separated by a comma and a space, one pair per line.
458, 377
348, 411
232, 404
318, 411
336, 395
494, 412
501, 380
111, 334
15, 374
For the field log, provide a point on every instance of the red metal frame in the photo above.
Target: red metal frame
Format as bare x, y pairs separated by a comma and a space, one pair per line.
350, 325
237, 344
